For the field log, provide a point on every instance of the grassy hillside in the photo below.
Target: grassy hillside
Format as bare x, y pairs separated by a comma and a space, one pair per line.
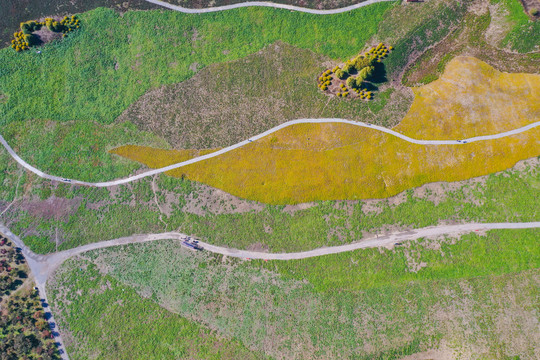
104, 319
229, 102
45, 211
348, 162
426, 295
103, 68
96, 73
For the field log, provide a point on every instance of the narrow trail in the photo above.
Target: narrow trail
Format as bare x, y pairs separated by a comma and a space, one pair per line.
257, 137
43, 266
265, 4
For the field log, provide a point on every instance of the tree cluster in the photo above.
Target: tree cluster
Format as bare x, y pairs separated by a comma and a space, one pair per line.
23, 39
24, 331
12, 270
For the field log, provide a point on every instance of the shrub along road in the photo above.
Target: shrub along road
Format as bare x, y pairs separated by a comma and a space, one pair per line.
254, 138
264, 4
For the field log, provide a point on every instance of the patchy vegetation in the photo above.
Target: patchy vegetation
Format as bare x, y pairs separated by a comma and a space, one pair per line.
220, 218
363, 163
388, 306
104, 318
479, 34
199, 113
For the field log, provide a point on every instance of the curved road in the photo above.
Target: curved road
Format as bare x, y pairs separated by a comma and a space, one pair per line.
42, 266
256, 137
264, 4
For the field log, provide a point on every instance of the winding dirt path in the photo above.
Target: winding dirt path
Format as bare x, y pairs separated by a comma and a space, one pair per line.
264, 4
254, 138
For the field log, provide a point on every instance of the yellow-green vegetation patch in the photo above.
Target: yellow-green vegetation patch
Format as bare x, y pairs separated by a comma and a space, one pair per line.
307, 162
470, 99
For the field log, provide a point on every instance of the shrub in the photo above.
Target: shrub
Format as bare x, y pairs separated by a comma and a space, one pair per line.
25, 28
351, 82
341, 74
367, 72
361, 62
30, 39
53, 25
534, 12
349, 67
359, 81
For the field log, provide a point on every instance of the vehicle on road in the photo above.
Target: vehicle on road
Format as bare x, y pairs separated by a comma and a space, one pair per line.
192, 244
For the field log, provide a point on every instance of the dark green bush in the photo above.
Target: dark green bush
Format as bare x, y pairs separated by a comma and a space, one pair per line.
341, 74
367, 72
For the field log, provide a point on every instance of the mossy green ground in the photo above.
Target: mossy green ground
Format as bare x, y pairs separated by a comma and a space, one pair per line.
360, 304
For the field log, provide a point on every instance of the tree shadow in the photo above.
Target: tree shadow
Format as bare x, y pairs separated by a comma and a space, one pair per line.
379, 75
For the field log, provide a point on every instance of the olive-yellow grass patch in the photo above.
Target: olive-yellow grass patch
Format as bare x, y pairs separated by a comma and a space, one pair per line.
331, 161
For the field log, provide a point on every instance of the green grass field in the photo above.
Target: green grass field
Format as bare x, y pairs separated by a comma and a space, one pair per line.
108, 320
101, 69
524, 33
364, 304
95, 74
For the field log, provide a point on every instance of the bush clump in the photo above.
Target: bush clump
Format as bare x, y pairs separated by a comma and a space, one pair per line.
534, 12
364, 65
341, 74
23, 39
351, 82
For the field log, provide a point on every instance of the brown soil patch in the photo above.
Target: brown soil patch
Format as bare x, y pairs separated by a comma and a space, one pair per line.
52, 208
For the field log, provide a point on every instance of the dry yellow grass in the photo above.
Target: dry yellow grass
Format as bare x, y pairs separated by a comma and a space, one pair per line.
338, 161
470, 99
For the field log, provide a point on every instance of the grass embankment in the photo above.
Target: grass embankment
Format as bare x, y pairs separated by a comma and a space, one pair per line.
104, 67
349, 162
361, 304
103, 318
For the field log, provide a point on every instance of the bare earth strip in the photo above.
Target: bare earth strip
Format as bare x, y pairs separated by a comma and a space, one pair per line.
256, 137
